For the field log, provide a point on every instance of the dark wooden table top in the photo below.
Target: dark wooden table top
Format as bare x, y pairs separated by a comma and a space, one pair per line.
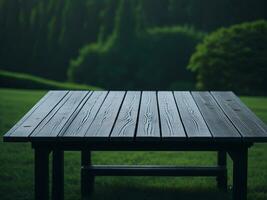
138, 116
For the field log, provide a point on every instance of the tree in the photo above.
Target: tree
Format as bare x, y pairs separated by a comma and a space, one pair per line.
233, 58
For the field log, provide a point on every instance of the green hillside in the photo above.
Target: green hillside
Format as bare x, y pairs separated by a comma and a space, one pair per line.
20, 80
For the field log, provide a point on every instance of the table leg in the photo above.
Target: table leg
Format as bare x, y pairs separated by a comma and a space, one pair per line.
222, 178
87, 179
58, 175
240, 161
41, 174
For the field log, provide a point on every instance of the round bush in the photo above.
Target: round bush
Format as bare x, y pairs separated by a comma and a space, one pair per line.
154, 59
233, 58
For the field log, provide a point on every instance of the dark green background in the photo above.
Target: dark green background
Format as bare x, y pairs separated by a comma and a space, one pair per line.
124, 41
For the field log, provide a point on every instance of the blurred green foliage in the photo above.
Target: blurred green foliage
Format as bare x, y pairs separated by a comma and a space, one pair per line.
233, 58
42, 37
137, 58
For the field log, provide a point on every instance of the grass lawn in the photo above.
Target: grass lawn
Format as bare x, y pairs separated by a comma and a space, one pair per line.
16, 164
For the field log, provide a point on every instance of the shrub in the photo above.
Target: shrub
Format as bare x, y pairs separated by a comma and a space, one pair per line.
133, 57
155, 59
233, 58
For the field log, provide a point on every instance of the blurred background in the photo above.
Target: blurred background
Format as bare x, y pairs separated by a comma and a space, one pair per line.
134, 44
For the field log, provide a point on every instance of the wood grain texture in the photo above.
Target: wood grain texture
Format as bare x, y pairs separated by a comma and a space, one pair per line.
125, 125
148, 123
103, 123
55, 122
34, 117
192, 119
171, 125
217, 121
86, 116
151, 116
248, 124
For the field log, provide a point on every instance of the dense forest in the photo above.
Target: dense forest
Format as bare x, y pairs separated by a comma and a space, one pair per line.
51, 38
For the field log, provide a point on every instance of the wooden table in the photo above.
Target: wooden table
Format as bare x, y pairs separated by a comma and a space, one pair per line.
89, 121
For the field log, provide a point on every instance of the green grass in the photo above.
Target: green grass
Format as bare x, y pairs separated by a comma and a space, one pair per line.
21, 80
16, 164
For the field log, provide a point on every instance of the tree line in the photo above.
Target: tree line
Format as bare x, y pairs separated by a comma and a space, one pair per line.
42, 37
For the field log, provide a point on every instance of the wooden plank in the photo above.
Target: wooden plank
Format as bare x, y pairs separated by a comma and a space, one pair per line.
125, 125
148, 122
171, 125
192, 119
86, 116
60, 117
102, 125
217, 121
248, 124
26, 116
32, 119
151, 170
